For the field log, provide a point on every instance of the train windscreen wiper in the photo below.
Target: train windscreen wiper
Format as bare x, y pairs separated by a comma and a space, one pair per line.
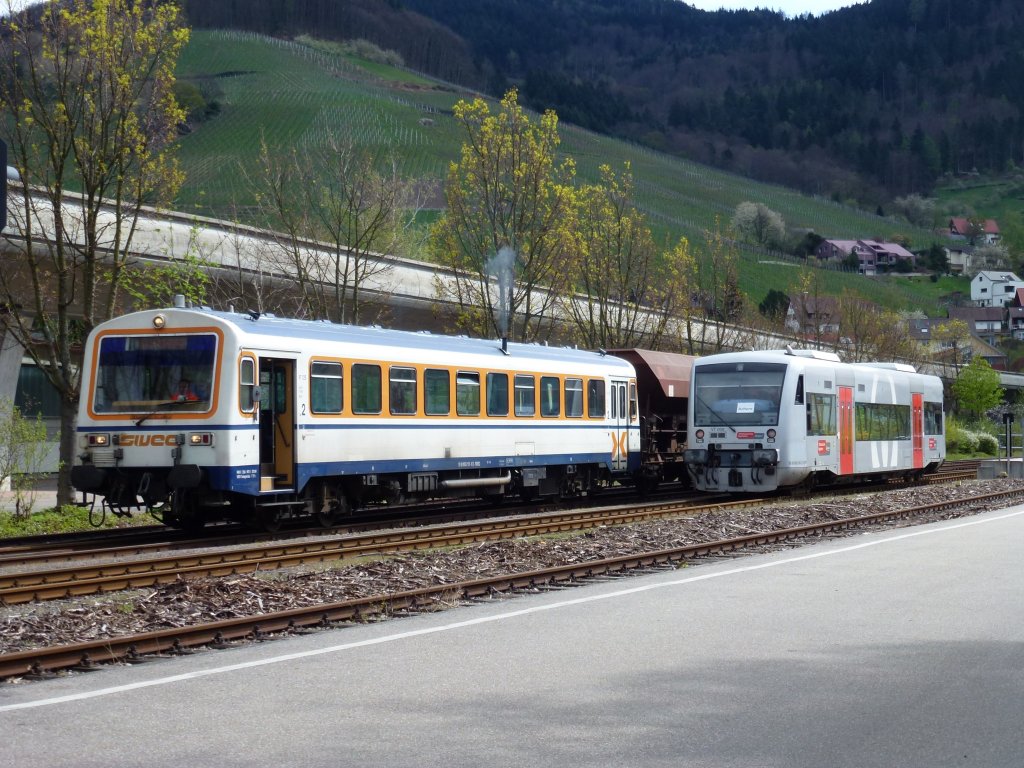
161, 406
715, 413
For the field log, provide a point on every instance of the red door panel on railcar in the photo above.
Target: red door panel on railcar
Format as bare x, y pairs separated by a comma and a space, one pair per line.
845, 430
917, 428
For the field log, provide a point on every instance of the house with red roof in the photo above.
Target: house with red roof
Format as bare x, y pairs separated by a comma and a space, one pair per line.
975, 231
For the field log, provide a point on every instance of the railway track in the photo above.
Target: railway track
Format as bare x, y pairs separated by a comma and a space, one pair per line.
81, 579
45, 661
46, 574
94, 544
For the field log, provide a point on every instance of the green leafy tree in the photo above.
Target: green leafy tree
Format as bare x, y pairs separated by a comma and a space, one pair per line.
977, 388
23, 450
86, 95
507, 232
627, 289
774, 307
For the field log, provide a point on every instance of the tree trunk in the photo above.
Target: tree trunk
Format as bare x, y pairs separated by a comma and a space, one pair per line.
68, 431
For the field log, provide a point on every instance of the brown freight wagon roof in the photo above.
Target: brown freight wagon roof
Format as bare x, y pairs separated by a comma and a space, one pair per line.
671, 371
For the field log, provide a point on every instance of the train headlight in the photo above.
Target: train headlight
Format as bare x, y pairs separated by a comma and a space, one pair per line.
98, 440
765, 457
695, 456
771, 434
159, 321
200, 438
699, 434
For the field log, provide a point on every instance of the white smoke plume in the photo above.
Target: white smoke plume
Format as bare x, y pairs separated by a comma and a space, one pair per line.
501, 267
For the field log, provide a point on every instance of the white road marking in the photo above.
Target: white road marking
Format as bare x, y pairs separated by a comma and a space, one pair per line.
488, 619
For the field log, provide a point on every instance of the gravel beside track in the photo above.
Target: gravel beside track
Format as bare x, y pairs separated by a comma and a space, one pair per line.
184, 603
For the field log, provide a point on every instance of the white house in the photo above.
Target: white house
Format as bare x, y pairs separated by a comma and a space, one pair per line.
994, 289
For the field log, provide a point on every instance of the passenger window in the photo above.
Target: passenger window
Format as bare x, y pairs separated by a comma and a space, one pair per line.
246, 383
633, 407
366, 388
525, 395
574, 398
402, 391
550, 403
437, 392
467, 393
497, 394
595, 398
325, 388
821, 414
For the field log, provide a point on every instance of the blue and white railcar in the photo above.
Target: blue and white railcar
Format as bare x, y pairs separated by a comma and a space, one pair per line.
759, 421
204, 415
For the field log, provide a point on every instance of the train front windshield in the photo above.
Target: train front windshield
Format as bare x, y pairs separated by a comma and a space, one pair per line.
737, 394
155, 372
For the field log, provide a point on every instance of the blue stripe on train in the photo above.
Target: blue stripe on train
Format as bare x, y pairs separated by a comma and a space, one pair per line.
246, 479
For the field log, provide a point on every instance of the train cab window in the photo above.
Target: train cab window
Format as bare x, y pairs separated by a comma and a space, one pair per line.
366, 388
550, 400
326, 388
402, 391
821, 414
467, 393
437, 392
595, 398
574, 398
246, 383
633, 407
497, 394
799, 399
933, 418
526, 403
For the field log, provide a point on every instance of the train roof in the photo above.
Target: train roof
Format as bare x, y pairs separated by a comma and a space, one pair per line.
667, 370
808, 356
255, 324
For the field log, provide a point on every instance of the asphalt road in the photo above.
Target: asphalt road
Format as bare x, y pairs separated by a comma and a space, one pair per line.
895, 649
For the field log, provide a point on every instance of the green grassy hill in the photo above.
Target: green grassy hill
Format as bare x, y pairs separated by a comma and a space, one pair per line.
293, 94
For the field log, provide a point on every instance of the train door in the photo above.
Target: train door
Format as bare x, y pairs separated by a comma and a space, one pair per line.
277, 424
620, 426
917, 428
845, 430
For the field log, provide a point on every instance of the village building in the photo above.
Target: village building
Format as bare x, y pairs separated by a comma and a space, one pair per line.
873, 256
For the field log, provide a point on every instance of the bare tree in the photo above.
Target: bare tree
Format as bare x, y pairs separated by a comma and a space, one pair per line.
715, 301
355, 207
335, 212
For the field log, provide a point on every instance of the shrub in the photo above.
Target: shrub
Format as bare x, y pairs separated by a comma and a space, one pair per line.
961, 440
988, 445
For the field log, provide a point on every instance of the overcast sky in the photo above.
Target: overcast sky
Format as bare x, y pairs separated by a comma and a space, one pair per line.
788, 7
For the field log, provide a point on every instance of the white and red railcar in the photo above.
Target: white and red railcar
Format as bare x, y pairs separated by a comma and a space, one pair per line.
759, 421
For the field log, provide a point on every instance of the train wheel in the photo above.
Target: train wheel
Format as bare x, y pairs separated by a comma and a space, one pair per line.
333, 510
266, 519
183, 514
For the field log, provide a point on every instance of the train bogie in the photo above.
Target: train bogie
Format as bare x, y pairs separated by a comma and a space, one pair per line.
766, 420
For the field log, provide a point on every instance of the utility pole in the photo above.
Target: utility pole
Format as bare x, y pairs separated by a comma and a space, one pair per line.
3, 184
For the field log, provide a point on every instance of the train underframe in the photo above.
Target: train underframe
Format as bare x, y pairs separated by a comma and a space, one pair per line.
760, 471
181, 496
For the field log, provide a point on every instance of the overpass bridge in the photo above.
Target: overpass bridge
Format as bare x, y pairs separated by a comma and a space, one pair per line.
252, 259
